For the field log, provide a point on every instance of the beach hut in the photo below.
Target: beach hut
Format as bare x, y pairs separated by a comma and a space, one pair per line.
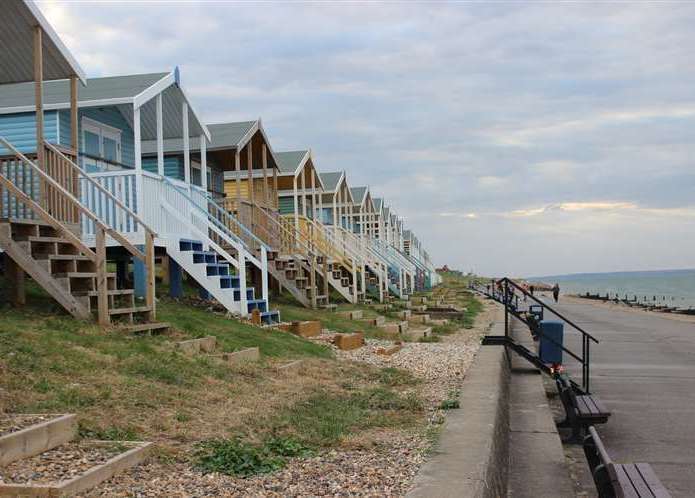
42, 210
142, 148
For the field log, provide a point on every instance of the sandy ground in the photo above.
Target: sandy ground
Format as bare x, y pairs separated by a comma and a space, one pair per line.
623, 307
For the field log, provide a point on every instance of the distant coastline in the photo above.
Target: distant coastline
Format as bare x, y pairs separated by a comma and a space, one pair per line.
674, 288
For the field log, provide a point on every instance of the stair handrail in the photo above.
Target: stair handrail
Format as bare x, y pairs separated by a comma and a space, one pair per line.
552, 310
112, 232
209, 216
587, 338
98, 257
227, 215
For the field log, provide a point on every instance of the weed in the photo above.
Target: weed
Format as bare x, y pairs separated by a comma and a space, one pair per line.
113, 433
393, 377
239, 458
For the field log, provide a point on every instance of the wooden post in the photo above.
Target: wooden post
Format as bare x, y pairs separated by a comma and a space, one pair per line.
102, 287
325, 278
296, 205
16, 279
186, 146
149, 267
237, 168
139, 184
303, 173
160, 137
74, 144
276, 197
38, 99
313, 194
264, 160
252, 198
203, 162
312, 281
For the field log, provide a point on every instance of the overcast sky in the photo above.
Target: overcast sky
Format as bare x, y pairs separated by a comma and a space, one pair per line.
522, 138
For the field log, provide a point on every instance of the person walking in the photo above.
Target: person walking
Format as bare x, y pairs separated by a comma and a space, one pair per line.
556, 292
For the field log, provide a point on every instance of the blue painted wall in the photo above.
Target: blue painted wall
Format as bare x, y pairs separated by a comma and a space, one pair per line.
173, 166
20, 130
110, 116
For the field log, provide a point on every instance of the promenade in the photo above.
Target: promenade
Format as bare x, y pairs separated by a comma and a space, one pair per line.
644, 371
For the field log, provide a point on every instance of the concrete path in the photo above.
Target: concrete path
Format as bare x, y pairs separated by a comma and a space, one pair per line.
644, 371
537, 466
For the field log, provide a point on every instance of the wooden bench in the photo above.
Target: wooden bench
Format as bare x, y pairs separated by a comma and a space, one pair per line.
618, 480
581, 410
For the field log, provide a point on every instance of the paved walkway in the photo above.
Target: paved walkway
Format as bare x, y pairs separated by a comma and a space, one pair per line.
644, 371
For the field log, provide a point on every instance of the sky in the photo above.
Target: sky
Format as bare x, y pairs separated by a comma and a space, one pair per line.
515, 138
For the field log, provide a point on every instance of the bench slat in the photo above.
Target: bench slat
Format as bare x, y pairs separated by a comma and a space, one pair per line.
638, 483
600, 406
650, 478
624, 485
582, 406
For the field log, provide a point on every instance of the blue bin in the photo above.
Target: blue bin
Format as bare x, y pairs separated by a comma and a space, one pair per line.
551, 336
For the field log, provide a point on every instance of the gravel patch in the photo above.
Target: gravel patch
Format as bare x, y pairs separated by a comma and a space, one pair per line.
373, 464
16, 422
381, 472
59, 464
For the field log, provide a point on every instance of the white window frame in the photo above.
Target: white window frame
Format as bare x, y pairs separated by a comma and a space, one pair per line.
102, 130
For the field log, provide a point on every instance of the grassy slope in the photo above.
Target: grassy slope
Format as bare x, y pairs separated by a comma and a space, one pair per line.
125, 387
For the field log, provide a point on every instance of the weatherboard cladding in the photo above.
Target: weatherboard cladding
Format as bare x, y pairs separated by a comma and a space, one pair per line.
20, 130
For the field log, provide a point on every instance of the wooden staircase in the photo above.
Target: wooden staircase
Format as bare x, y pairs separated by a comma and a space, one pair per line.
44, 244
70, 276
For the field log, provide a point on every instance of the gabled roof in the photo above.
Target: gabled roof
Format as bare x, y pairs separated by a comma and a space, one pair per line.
291, 162
222, 136
331, 180
126, 92
233, 135
359, 194
56, 94
17, 23
378, 203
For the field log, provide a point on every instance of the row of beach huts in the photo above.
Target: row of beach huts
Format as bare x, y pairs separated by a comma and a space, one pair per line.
105, 182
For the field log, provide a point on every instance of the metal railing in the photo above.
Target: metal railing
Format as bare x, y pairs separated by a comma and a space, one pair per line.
505, 292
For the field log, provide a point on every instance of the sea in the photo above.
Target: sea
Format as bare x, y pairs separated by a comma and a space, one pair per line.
668, 287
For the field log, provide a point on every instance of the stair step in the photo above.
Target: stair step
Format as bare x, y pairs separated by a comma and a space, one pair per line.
113, 292
81, 275
67, 257
204, 257
125, 311
145, 327
42, 238
190, 245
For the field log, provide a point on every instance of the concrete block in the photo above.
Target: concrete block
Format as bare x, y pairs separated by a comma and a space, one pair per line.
352, 315
418, 300
190, 347
421, 308
347, 342
438, 321
242, 356
405, 314
195, 346
309, 328
391, 328
390, 350
208, 344
375, 322
419, 319
381, 307
418, 333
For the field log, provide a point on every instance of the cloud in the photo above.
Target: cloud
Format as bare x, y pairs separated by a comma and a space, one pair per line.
485, 125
